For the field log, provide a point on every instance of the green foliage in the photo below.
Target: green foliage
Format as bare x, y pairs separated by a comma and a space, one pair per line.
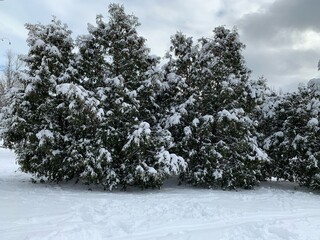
127, 89
47, 121
211, 122
108, 114
292, 136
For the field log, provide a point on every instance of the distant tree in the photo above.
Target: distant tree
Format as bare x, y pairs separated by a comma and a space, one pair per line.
10, 75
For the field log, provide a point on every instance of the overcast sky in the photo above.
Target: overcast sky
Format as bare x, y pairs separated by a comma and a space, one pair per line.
282, 36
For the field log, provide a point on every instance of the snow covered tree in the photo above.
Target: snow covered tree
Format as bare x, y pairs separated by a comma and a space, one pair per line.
10, 75
293, 138
109, 115
125, 81
44, 124
76, 120
219, 141
310, 174
178, 100
264, 98
182, 56
278, 111
32, 134
114, 48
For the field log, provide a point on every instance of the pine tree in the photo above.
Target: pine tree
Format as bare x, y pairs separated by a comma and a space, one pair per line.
293, 136
114, 48
110, 115
43, 122
45, 64
178, 99
276, 110
311, 170
124, 84
219, 140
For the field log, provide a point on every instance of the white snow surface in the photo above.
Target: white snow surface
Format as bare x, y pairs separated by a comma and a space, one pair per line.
66, 211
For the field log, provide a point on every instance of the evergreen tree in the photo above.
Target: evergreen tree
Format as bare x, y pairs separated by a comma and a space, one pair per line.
178, 100
218, 140
275, 113
127, 93
114, 48
42, 122
311, 171
293, 136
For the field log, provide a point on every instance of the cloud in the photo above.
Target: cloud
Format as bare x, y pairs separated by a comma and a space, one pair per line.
283, 15
162, 18
282, 36
283, 41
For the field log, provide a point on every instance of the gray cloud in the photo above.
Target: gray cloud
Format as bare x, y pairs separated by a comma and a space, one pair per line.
283, 15
278, 44
284, 69
275, 31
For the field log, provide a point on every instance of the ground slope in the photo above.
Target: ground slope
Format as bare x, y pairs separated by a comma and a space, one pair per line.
52, 212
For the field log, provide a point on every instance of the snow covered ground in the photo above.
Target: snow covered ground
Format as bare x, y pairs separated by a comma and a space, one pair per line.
47, 211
